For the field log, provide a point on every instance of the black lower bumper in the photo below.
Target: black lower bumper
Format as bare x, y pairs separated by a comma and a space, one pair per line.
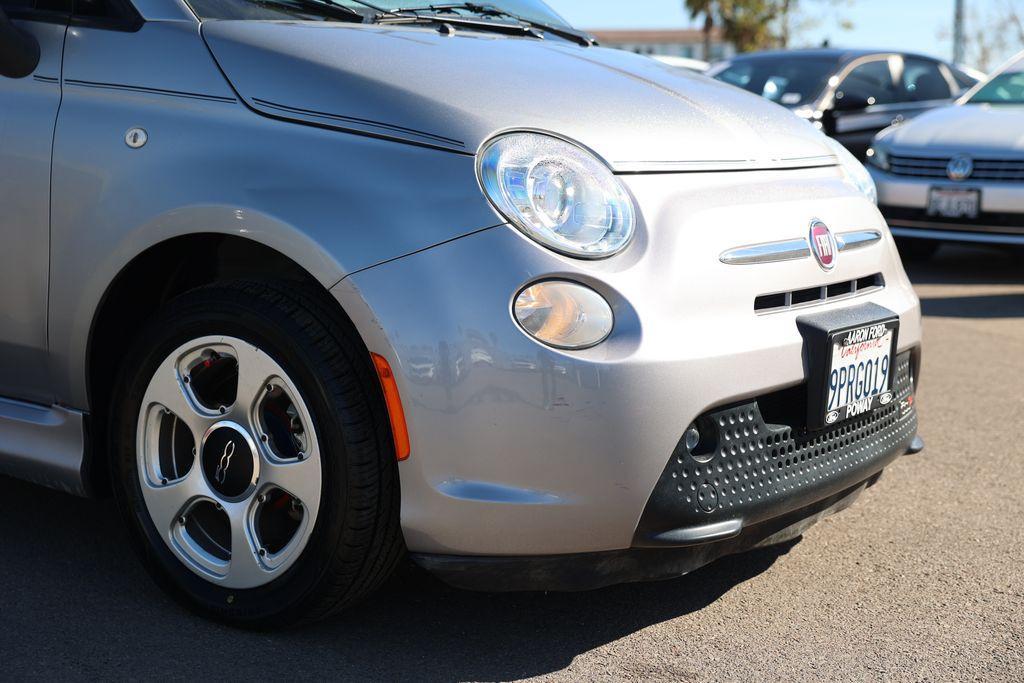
758, 478
757, 460
589, 571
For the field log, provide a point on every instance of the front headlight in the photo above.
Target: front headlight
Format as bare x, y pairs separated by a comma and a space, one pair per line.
557, 193
878, 156
854, 172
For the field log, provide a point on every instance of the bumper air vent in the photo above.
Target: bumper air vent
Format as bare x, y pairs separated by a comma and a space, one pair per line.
812, 296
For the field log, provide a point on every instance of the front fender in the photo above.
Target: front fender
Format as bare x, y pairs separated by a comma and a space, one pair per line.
334, 203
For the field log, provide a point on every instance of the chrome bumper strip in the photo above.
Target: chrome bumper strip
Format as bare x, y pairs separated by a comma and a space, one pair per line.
795, 249
769, 252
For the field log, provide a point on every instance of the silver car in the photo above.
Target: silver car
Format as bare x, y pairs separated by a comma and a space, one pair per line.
957, 174
313, 286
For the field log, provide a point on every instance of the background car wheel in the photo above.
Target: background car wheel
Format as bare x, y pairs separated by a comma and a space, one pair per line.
252, 458
917, 249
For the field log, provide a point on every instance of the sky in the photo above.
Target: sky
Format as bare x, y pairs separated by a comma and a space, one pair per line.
910, 25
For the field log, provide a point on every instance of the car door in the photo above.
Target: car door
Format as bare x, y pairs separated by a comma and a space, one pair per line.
866, 100
28, 113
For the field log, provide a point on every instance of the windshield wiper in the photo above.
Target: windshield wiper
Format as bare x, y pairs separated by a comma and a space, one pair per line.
321, 7
451, 21
487, 11
584, 39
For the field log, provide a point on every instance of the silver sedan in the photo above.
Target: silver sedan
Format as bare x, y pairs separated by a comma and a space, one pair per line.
957, 174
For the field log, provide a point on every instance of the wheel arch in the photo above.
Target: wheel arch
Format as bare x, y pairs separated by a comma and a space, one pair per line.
149, 280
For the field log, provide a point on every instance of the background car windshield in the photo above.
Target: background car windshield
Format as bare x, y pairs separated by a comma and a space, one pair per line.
533, 10
1006, 88
787, 80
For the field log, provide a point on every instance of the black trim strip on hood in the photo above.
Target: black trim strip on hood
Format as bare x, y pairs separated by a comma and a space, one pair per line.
360, 121
151, 91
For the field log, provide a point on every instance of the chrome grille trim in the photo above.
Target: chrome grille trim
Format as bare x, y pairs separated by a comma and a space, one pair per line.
795, 249
768, 252
857, 239
996, 170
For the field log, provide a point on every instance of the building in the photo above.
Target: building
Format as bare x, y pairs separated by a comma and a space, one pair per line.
669, 42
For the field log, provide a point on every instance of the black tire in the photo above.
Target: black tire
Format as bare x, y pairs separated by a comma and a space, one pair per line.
917, 250
356, 541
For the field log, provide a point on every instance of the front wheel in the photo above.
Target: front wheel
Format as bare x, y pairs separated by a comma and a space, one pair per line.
252, 456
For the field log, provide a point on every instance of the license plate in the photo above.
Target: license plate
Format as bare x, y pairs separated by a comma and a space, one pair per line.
860, 372
949, 203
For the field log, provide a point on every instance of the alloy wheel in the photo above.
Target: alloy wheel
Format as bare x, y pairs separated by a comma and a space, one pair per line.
228, 462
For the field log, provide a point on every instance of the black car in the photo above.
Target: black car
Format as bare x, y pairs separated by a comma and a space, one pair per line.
850, 94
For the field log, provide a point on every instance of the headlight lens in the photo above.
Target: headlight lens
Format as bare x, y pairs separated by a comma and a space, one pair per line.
564, 314
557, 193
854, 172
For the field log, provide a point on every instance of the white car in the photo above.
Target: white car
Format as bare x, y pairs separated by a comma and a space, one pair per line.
957, 174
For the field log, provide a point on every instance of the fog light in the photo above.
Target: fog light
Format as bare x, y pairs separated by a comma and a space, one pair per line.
563, 314
692, 438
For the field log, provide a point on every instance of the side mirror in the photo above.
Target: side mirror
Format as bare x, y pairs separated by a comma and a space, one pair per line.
19, 51
828, 121
850, 101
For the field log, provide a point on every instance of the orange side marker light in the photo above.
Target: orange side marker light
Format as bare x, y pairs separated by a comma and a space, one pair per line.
396, 413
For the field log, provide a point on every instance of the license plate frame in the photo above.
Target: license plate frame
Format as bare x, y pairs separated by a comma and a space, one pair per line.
963, 203
820, 333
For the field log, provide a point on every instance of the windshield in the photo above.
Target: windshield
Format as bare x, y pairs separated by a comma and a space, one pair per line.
1004, 88
328, 10
790, 80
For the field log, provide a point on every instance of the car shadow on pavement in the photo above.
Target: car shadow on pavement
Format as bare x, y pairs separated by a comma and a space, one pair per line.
480, 636
74, 601
985, 306
968, 265
998, 273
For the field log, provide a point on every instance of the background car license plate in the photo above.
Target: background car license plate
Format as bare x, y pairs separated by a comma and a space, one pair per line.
950, 203
861, 371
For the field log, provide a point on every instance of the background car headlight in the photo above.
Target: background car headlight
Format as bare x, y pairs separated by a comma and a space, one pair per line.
878, 156
564, 314
854, 172
557, 193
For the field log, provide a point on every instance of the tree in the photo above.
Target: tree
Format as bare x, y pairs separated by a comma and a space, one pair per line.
706, 9
992, 33
750, 24
786, 22
1015, 20
744, 22
760, 24
796, 17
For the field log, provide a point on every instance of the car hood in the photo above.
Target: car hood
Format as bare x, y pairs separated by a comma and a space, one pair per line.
454, 92
970, 128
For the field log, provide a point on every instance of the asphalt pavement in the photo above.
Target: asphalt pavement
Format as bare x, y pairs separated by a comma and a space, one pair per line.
923, 579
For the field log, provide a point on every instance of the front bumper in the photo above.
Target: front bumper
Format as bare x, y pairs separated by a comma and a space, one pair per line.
904, 203
765, 483
519, 450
